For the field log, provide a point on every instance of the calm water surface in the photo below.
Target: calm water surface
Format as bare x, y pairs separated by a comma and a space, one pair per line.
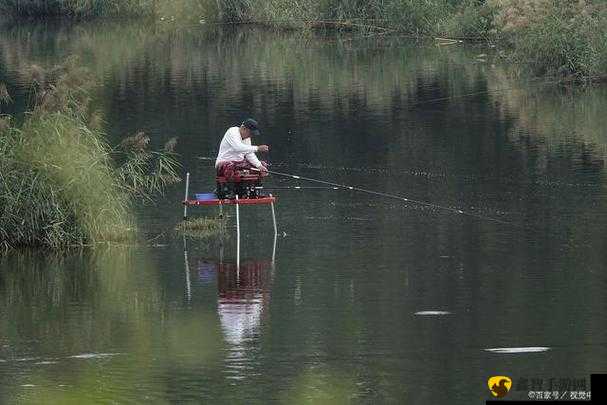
340, 315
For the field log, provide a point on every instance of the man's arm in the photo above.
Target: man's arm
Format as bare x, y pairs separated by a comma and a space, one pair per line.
252, 159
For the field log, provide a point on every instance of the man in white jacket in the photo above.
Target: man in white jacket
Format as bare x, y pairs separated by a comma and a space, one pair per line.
236, 151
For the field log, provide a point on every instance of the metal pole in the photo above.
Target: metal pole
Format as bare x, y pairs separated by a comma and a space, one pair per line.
273, 217
237, 234
185, 200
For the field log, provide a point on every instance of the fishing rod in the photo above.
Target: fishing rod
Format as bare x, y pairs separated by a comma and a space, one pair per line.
387, 195
296, 188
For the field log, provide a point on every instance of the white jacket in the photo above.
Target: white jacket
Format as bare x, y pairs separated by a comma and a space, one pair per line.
235, 149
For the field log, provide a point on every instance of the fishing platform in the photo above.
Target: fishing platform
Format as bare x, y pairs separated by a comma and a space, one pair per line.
236, 191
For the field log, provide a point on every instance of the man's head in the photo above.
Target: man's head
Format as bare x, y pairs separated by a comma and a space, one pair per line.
249, 128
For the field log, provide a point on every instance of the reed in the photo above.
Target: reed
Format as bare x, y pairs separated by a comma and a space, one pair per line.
61, 184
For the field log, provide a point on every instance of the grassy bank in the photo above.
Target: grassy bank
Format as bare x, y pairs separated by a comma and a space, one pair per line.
550, 37
61, 184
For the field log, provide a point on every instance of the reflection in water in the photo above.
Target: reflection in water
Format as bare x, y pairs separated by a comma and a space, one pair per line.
538, 349
431, 313
243, 297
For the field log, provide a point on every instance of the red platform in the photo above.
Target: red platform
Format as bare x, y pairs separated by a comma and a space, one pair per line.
241, 201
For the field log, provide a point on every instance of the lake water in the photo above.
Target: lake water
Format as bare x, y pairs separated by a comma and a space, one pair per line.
368, 299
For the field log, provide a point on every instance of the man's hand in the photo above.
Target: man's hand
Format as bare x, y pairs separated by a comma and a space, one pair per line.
263, 148
263, 169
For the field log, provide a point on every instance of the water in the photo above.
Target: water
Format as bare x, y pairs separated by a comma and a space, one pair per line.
369, 300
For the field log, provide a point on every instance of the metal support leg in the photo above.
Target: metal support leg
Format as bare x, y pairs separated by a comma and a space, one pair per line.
221, 222
237, 234
185, 199
274, 217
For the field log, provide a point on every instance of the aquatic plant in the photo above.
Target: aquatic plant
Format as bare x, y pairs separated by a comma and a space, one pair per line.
202, 228
61, 183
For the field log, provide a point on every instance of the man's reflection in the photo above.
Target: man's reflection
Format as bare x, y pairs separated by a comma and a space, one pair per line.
244, 293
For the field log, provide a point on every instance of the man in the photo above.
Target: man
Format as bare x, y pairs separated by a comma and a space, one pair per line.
236, 151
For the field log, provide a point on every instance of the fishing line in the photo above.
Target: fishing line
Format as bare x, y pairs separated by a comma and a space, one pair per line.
387, 195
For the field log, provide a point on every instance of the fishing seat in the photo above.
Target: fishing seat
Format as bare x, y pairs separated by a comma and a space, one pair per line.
242, 182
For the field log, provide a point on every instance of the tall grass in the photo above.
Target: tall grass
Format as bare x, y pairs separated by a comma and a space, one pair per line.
410, 16
58, 186
555, 37
60, 183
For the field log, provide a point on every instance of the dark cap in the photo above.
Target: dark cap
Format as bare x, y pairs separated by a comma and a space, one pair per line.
251, 124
